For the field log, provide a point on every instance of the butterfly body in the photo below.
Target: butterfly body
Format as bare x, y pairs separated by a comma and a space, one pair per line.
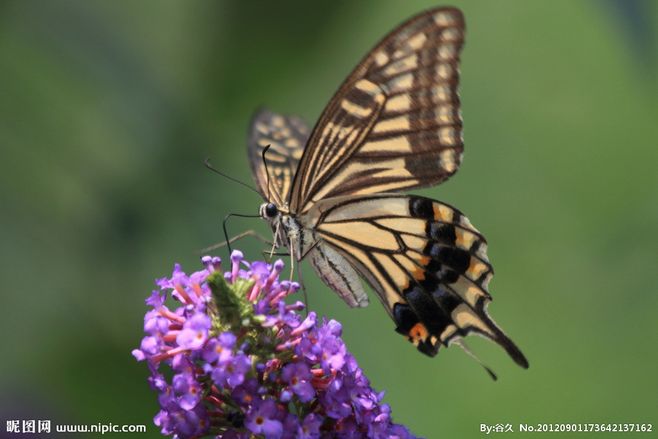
332, 193
304, 243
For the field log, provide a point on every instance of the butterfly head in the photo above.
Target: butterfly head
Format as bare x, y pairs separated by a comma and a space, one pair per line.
269, 211
280, 221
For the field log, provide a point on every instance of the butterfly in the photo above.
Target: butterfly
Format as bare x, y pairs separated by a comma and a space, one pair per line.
332, 193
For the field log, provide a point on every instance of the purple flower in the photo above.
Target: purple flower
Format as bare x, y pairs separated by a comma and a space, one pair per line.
242, 362
148, 346
290, 427
195, 332
310, 428
232, 372
219, 349
298, 376
183, 423
236, 434
258, 270
155, 323
304, 326
187, 389
262, 420
155, 300
247, 392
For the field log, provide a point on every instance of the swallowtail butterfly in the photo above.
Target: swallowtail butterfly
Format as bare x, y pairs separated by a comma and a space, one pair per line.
332, 193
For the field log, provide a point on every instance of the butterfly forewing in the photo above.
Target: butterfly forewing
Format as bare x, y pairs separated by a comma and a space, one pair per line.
425, 260
395, 122
285, 136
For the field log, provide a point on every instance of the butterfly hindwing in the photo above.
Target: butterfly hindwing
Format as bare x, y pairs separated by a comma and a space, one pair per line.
425, 260
395, 122
286, 137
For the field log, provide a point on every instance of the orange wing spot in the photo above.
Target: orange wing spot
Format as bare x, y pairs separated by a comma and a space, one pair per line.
419, 274
418, 333
442, 213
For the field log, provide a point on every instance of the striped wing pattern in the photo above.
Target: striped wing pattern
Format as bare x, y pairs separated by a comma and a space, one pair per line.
286, 137
425, 260
395, 122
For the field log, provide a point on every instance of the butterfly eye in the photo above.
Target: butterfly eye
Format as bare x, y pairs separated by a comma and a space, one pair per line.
271, 211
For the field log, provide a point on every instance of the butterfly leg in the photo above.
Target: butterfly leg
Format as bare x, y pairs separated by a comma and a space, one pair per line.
299, 273
276, 234
292, 258
301, 284
267, 253
236, 238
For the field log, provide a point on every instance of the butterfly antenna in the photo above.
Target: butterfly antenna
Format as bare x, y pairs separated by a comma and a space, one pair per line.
210, 166
470, 353
267, 173
237, 237
228, 241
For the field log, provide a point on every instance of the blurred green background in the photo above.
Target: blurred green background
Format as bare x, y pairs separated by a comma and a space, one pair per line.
107, 110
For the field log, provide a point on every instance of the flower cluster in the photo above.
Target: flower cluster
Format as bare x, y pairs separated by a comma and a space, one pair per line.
243, 363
